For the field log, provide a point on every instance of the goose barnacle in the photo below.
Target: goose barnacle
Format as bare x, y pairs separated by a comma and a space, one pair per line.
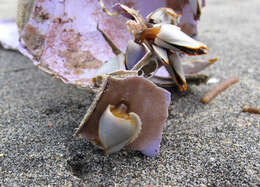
118, 127
171, 37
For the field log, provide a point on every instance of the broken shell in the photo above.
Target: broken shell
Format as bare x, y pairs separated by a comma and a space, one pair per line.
117, 128
115, 64
56, 36
171, 37
192, 67
189, 20
196, 66
142, 96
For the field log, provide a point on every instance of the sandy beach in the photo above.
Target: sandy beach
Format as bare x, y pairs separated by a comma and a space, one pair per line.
203, 145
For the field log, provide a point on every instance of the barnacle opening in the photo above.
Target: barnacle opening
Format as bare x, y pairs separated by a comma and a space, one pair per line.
121, 110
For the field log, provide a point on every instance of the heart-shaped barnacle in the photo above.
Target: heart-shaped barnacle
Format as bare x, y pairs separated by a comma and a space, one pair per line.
123, 115
118, 127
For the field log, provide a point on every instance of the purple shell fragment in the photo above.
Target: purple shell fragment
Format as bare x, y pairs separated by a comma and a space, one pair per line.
141, 95
191, 67
153, 148
61, 37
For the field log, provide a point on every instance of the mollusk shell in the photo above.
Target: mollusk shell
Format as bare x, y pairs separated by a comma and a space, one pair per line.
61, 36
62, 39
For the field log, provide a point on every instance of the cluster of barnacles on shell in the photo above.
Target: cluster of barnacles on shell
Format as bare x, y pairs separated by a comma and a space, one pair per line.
131, 103
152, 58
157, 42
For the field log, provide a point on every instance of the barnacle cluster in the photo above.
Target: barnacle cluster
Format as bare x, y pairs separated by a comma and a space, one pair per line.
127, 82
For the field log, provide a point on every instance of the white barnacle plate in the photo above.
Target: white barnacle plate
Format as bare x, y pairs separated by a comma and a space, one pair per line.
171, 37
117, 128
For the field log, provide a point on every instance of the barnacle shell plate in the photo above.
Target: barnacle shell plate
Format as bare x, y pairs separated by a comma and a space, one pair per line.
171, 34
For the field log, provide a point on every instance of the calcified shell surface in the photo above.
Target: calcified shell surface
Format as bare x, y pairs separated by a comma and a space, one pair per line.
62, 38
